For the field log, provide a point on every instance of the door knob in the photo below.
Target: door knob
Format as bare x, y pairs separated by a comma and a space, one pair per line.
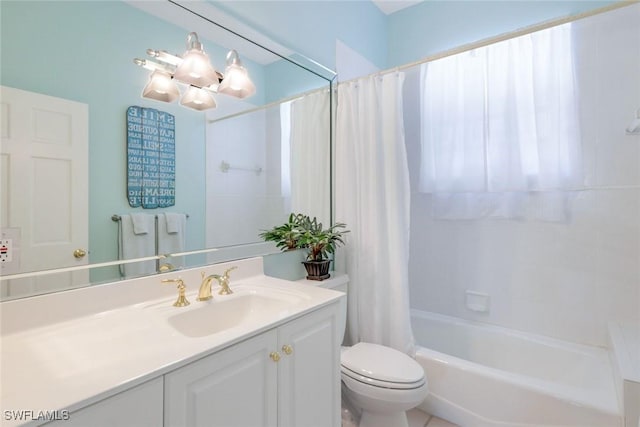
79, 253
287, 349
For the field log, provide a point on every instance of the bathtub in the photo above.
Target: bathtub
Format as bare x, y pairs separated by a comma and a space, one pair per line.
487, 376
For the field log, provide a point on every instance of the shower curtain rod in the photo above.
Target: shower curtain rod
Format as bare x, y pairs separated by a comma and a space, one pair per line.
269, 105
496, 39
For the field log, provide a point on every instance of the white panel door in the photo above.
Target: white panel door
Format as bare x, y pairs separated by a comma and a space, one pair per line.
309, 371
44, 154
236, 387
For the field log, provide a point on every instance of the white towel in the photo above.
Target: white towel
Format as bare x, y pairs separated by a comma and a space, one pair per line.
141, 223
175, 222
132, 245
171, 236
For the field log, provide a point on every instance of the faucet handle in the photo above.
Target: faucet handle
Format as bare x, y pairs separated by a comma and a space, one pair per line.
182, 299
224, 282
229, 270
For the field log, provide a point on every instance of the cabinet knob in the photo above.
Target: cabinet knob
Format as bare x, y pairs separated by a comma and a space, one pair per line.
275, 356
287, 349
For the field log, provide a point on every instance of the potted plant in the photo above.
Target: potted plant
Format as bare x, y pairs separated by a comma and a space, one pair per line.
286, 235
319, 243
303, 232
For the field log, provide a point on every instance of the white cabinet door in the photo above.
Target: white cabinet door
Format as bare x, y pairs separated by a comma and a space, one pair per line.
236, 387
140, 406
309, 377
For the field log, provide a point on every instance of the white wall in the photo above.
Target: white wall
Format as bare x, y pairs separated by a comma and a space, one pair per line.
560, 280
241, 202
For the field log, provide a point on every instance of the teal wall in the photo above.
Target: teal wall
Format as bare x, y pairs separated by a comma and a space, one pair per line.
311, 27
286, 80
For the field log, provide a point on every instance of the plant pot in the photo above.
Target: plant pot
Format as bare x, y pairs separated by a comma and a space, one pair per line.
317, 270
286, 265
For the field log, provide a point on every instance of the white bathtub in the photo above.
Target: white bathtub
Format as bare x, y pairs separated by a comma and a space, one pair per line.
486, 376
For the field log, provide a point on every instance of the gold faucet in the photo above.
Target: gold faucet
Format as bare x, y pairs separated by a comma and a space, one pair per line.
182, 299
204, 293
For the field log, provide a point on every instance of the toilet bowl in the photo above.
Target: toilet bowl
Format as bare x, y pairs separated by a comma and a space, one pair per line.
382, 383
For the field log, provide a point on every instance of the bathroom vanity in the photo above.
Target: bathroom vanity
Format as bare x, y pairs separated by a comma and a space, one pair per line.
267, 355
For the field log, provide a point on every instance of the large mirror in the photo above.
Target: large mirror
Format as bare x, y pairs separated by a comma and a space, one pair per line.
68, 75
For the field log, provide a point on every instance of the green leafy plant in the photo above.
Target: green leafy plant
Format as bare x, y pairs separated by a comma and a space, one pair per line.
302, 231
320, 243
287, 235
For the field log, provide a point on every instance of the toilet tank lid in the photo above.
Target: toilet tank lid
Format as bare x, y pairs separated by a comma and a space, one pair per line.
381, 363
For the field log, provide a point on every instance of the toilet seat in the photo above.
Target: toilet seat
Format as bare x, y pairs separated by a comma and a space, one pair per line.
380, 366
382, 384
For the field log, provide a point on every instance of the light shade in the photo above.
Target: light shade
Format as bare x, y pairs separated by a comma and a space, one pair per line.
195, 68
161, 87
198, 99
236, 81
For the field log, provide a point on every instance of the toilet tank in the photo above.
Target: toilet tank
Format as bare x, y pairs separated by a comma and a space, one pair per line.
337, 282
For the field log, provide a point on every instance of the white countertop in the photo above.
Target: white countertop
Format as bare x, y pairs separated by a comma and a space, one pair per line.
336, 280
69, 363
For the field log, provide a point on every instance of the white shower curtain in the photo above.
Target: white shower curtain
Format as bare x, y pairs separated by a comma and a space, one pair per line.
309, 155
373, 199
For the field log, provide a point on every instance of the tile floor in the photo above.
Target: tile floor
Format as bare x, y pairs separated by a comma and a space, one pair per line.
416, 418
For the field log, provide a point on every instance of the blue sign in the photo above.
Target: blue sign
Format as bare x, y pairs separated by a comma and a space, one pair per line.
151, 158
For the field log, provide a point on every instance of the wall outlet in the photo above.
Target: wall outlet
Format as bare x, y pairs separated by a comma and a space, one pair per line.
9, 251
6, 250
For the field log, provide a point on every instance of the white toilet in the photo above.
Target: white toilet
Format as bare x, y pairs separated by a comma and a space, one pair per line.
381, 382
384, 383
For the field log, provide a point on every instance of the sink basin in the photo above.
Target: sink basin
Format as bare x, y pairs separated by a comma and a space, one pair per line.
228, 312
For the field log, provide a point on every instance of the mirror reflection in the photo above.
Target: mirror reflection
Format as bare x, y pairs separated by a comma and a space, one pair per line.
68, 79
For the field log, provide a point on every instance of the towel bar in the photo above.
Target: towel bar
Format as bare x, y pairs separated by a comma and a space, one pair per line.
118, 218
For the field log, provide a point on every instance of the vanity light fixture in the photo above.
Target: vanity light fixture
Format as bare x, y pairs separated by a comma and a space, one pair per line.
193, 70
